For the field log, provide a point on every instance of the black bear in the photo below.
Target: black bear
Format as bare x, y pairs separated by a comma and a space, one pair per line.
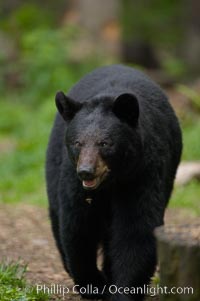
111, 163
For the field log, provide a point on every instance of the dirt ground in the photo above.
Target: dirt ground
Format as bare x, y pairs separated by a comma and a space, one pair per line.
25, 233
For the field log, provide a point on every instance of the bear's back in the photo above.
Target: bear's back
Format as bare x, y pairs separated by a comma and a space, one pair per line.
113, 80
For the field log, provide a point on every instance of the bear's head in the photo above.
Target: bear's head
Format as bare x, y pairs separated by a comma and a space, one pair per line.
102, 137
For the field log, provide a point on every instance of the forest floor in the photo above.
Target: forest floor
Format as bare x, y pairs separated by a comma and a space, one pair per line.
26, 235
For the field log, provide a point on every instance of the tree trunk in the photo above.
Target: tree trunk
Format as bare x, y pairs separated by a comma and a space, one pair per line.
99, 21
179, 259
191, 43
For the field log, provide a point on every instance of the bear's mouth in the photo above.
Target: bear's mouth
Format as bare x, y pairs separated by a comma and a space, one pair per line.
91, 184
95, 183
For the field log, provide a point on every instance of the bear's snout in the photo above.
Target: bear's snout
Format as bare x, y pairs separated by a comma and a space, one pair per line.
86, 165
86, 173
91, 169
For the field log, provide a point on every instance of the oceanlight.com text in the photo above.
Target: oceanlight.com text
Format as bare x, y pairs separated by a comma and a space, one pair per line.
62, 290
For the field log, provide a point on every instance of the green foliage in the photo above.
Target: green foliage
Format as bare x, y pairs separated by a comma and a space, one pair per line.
191, 141
174, 67
25, 18
191, 94
187, 197
22, 162
13, 285
45, 62
154, 21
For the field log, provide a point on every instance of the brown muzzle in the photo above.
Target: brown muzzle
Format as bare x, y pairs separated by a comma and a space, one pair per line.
91, 168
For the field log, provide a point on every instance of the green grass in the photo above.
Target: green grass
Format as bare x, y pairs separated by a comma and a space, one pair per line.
187, 197
25, 129
191, 141
13, 285
24, 135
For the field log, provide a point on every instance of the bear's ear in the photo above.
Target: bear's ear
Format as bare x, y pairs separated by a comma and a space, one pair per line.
126, 108
66, 106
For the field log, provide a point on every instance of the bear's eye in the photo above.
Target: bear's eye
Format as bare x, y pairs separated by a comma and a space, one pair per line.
103, 143
77, 144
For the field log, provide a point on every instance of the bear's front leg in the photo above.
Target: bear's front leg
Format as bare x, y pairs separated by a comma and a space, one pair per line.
80, 236
132, 254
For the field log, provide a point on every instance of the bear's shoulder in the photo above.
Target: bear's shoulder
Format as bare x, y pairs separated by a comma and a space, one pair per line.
112, 80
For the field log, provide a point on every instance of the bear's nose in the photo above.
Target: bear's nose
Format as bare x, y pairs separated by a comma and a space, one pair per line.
86, 173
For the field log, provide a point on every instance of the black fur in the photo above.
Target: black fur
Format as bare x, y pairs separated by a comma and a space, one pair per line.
128, 120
